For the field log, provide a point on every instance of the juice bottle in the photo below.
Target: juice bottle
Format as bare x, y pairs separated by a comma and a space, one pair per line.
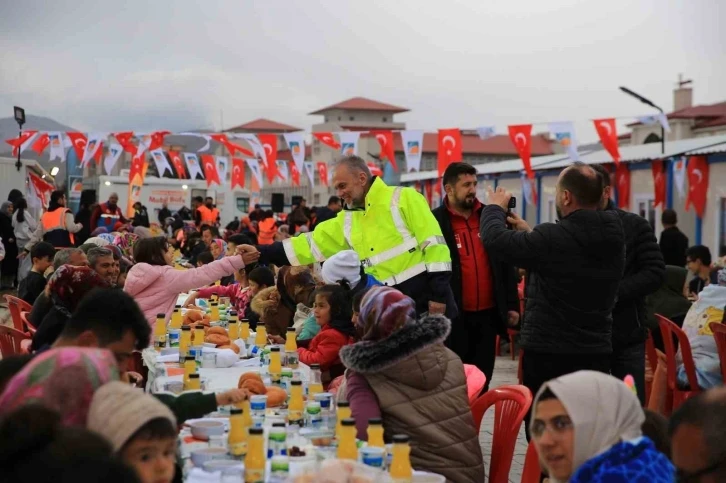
315, 385
194, 384
246, 412
237, 439
343, 413
176, 318
347, 448
296, 405
233, 326
244, 330
292, 359
160, 329
261, 337
185, 342
400, 469
375, 433
214, 315
190, 366
198, 334
275, 365
255, 460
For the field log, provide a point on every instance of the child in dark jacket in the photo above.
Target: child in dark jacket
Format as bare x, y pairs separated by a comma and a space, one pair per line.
332, 310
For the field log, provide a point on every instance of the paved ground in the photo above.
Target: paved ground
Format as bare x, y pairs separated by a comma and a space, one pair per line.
505, 372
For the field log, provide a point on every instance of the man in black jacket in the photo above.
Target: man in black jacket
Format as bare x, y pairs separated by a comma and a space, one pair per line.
673, 243
328, 212
484, 288
644, 274
573, 269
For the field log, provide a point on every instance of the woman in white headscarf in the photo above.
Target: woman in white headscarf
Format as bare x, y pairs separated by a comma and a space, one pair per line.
586, 427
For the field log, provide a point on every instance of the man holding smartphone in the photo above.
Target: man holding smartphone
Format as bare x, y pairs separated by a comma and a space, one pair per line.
484, 287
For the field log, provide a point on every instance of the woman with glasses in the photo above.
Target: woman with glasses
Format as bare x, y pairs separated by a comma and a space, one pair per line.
586, 427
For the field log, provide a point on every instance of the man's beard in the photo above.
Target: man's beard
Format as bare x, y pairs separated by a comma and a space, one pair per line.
466, 203
559, 212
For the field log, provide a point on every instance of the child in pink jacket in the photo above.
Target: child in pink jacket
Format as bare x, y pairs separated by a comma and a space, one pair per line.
155, 284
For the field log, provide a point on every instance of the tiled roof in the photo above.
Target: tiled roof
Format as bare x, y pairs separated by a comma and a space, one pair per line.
472, 144
362, 104
264, 125
704, 116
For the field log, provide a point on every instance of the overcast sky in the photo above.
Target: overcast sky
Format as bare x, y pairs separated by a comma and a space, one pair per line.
143, 65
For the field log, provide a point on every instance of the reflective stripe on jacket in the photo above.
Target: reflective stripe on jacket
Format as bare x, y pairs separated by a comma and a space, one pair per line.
55, 230
395, 235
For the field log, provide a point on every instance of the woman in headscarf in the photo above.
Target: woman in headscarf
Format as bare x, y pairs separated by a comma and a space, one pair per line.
126, 241
144, 232
218, 247
401, 372
277, 305
586, 427
98, 241
63, 380
9, 266
66, 287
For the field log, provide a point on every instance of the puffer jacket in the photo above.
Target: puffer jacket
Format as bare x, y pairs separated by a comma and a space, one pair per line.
421, 390
574, 268
276, 306
644, 274
156, 288
323, 349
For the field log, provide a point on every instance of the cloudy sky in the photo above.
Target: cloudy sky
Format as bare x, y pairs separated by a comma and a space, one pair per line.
140, 65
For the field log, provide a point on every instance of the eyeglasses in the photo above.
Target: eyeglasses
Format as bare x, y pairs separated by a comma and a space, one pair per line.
683, 476
557, 426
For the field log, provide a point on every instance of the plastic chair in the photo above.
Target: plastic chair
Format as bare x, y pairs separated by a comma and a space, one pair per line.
652, 357
532, 472
676, 395
26, 322
511, 333
11, 341
511, 404
16, 305
719, 333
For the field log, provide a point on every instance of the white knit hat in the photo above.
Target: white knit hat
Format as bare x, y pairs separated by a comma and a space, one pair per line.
118, 410
343, 265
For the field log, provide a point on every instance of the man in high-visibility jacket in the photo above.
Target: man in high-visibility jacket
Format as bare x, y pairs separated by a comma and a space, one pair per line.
391, 228
209, 215
56, 226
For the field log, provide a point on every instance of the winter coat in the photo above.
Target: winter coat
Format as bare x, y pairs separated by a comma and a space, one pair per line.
420, 387
644, 274
627, 461
156, 288
324, 349
276, 306
238, 296
574, 269
503, 277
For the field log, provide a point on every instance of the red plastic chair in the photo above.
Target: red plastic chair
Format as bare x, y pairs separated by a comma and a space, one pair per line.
16, 305
26, 322
532, 472
652, 357
719, 333
11, 341
511, 404
675, 395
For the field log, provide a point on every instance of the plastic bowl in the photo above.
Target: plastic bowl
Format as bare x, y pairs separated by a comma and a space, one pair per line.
203, 429
227, 467
200, 457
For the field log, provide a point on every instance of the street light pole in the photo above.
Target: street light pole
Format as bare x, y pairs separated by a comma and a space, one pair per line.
650, 103
19, 113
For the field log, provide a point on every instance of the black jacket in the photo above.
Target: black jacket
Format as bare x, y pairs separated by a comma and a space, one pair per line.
504, 278
673, 245
141, 218
573, 271
164, 213
644, 274
324, 214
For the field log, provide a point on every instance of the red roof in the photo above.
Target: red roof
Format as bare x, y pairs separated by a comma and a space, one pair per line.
704, 116
472, 144
362, 104
264, 125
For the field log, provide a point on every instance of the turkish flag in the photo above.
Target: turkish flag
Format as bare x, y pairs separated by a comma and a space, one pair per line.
327, 139
385, 139
294, 174
233, 148
157, 139
79, 141
41, 143
521, 136
269, 144
429, 187
124, 139
18, 143
137, 164
323, 172
176, 160
238, 172
608, 137
449, 148
375, 170
622, 183
99, 154
210, 169
659, 182
697, 184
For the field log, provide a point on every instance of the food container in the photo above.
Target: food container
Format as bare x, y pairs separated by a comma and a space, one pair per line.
202, 456
204, 428
209, 360
227, 467
372, 456
174, 387
174, 335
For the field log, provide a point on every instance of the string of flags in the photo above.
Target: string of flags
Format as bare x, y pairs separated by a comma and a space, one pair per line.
259, 152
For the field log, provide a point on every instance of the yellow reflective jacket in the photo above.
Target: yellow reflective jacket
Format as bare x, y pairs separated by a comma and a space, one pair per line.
395, 235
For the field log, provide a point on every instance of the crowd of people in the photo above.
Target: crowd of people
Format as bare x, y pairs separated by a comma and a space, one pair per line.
399, 305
